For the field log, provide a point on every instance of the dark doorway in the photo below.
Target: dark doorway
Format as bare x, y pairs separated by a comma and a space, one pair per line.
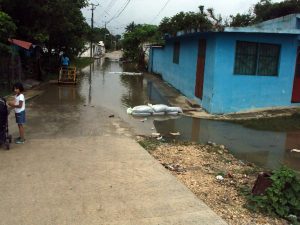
200, 68
296, 88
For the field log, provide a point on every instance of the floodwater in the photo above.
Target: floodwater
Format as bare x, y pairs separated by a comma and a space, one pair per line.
99, 87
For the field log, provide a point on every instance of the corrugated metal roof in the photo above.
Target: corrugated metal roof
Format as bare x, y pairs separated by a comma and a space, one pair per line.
20, 43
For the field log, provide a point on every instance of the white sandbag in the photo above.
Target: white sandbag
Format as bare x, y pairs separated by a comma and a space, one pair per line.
129, 111
142, 109
159, 108
173, 113
174, 109
158, 113
141, 114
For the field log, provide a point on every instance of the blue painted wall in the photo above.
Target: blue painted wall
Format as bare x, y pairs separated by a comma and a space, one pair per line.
223, 91
233, 93
183, 75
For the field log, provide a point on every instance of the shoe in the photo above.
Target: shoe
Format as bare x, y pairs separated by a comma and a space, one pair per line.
18, 138
20, 141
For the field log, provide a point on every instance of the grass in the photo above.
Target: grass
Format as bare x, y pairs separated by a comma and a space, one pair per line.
149, 144
82, 62
79, 63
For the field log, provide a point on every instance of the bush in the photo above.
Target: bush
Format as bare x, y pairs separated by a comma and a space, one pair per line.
282, 198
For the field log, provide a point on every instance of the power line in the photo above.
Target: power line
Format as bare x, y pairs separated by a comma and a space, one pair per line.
161, 10
111, 4
120, 12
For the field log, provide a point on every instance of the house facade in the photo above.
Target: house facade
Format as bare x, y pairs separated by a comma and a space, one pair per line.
236, 70
98, 50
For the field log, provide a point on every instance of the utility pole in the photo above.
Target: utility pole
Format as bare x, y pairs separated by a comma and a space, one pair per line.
92, 26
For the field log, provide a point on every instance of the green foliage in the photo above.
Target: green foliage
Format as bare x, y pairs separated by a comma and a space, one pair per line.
149, 144
82, 62
102, 34
187, 21
7, 29
265, 10
136, 35
241, 20
56, 23
282, 198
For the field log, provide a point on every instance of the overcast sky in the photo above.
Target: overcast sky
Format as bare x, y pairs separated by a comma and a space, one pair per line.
152, 11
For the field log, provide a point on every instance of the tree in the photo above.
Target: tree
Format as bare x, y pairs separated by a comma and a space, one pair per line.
217, 20
56, 23
135, 36
187, 21
265, 10
241, 20
130, 27
7, 29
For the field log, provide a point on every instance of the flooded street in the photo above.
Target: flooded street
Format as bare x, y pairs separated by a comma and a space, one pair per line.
88, 159
100, 87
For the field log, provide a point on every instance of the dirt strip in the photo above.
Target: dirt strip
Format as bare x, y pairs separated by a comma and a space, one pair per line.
214, 175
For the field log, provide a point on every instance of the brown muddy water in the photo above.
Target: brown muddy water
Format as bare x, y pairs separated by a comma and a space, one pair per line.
116, 92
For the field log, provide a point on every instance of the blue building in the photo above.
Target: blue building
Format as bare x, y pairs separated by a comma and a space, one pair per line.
236, 70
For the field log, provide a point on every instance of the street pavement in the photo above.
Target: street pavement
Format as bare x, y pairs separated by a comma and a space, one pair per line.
81, 167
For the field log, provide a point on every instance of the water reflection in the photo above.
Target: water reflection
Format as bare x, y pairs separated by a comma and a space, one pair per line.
136, 90
67, 93
90, 85
117, 92
265, 148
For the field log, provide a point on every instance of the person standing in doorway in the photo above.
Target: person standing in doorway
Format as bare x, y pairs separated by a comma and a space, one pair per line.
19, 105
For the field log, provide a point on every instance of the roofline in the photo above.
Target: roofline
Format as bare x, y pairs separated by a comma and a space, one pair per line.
261, 30
229, 30
23, 44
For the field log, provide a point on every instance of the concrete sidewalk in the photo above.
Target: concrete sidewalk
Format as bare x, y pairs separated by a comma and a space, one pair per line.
95, 180
80, 167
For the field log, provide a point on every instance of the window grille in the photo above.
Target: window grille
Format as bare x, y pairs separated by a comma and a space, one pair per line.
256, 59
268, 59
245, 58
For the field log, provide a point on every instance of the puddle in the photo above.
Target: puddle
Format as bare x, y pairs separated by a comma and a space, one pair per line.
257, 142
265, 148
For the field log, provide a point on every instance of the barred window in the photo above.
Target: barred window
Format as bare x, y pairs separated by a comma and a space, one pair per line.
256, 59
176, 52
245, 58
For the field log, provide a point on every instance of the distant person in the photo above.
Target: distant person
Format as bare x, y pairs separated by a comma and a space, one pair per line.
19, 105
65, 61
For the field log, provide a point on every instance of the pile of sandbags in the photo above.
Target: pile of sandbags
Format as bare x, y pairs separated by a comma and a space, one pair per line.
156, 110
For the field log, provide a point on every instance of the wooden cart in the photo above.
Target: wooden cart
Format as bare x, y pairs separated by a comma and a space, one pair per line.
67, 75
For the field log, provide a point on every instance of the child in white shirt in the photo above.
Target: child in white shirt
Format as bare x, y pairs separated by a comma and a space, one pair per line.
19, 106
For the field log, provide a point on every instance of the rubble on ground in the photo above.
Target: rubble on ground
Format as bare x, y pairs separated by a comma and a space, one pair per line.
216, 177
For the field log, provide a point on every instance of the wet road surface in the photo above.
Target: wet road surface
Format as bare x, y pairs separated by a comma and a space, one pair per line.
100, 87
81, 166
